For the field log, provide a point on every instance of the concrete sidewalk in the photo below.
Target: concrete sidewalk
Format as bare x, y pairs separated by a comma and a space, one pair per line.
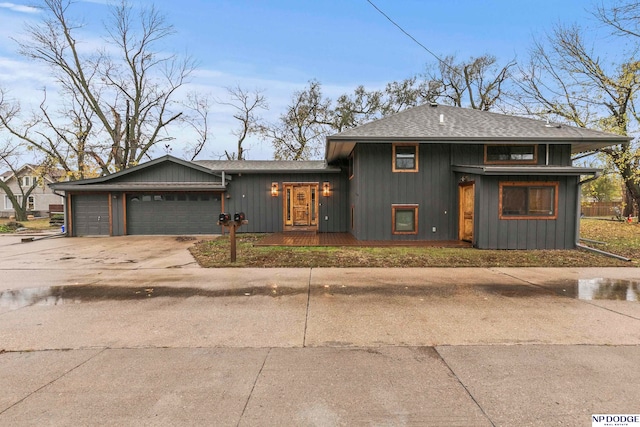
132, 332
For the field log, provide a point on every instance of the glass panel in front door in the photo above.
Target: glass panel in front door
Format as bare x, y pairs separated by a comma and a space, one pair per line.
301, 202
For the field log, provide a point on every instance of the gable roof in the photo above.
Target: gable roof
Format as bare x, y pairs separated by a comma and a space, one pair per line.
105, 182
49, 176
444, 123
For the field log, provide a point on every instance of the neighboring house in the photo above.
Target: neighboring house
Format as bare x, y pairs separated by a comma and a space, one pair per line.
429, 173
40, 198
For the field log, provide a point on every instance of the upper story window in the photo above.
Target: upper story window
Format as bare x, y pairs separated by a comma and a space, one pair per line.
511, 154
405, 157
528, 200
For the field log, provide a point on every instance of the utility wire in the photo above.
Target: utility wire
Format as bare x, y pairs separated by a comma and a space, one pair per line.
441, 61
409, 35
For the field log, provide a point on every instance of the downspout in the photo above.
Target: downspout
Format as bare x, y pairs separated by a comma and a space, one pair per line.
64, 212
597, 175
546, 160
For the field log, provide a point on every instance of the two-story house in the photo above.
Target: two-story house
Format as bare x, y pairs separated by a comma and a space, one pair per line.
38, 200
429, 173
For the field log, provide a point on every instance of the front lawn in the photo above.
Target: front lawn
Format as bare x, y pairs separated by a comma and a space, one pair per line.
623, 239
38, 224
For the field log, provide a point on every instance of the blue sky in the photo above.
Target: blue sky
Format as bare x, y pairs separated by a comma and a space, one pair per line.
279, 45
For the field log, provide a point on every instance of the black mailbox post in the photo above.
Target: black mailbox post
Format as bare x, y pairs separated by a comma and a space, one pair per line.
226, 220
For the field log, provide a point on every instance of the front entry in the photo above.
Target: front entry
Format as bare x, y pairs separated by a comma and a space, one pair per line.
466, 193
301, 207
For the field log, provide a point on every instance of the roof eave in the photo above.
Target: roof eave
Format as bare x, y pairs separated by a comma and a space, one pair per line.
524, 170
70, 187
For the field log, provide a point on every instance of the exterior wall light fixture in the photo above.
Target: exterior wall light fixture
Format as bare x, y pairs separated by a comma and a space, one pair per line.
274, 189
326, 189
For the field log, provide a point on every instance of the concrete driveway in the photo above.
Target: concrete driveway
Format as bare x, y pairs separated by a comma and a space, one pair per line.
130, 331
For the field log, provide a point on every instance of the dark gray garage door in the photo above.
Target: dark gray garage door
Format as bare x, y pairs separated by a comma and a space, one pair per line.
90, 215
174, 213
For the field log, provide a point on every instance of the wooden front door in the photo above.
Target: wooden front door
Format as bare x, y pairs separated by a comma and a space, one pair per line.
466, 202
301, 207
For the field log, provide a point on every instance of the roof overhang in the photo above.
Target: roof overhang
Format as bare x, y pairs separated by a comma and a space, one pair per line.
491, 170
71, 186
341, 147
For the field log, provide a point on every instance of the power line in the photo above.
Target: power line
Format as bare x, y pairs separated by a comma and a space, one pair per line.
441, 61
409, 35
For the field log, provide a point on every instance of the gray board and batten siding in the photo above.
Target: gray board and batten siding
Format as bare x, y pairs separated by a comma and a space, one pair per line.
374, 188
495, 233
164, 196
170, 196
251, 193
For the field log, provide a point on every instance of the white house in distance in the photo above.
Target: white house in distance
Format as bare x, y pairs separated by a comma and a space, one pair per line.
40, 198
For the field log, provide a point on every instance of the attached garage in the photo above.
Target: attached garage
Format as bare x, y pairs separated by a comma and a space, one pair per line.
163, 196
173, 213
90, 215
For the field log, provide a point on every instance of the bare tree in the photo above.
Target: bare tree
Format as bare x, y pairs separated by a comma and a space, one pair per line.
198, 121
477, 83
246, 105
119, 105
567, 79
300, 132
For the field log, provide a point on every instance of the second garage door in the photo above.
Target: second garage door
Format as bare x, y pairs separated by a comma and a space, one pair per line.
173, 213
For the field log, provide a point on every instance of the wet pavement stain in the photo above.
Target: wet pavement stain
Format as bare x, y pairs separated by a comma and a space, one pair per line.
516, 291
608, 289
584, 289
59, 295
384, 290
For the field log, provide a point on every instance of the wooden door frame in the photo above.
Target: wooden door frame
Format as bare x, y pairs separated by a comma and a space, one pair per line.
461, 208
313, 221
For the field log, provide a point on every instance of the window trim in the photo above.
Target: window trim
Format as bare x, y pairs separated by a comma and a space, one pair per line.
554, 184
393, 159
511, 162
394, 208
31, 203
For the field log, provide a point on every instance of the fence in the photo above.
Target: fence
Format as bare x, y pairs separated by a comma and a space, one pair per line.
602, 209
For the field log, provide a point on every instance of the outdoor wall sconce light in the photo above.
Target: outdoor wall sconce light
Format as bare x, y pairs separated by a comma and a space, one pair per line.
326, 189
274, 189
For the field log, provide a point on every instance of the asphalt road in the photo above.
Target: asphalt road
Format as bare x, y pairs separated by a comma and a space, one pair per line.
130, 331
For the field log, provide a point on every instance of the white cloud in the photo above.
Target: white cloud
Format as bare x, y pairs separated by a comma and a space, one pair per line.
19, 8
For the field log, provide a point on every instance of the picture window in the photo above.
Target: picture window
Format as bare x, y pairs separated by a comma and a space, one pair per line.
528, 200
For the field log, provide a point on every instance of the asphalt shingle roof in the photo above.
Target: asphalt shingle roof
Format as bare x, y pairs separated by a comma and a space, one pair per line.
433, 123
463, 123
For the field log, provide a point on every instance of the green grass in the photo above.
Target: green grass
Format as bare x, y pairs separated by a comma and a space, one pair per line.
618, 237
623, 239
34, 225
